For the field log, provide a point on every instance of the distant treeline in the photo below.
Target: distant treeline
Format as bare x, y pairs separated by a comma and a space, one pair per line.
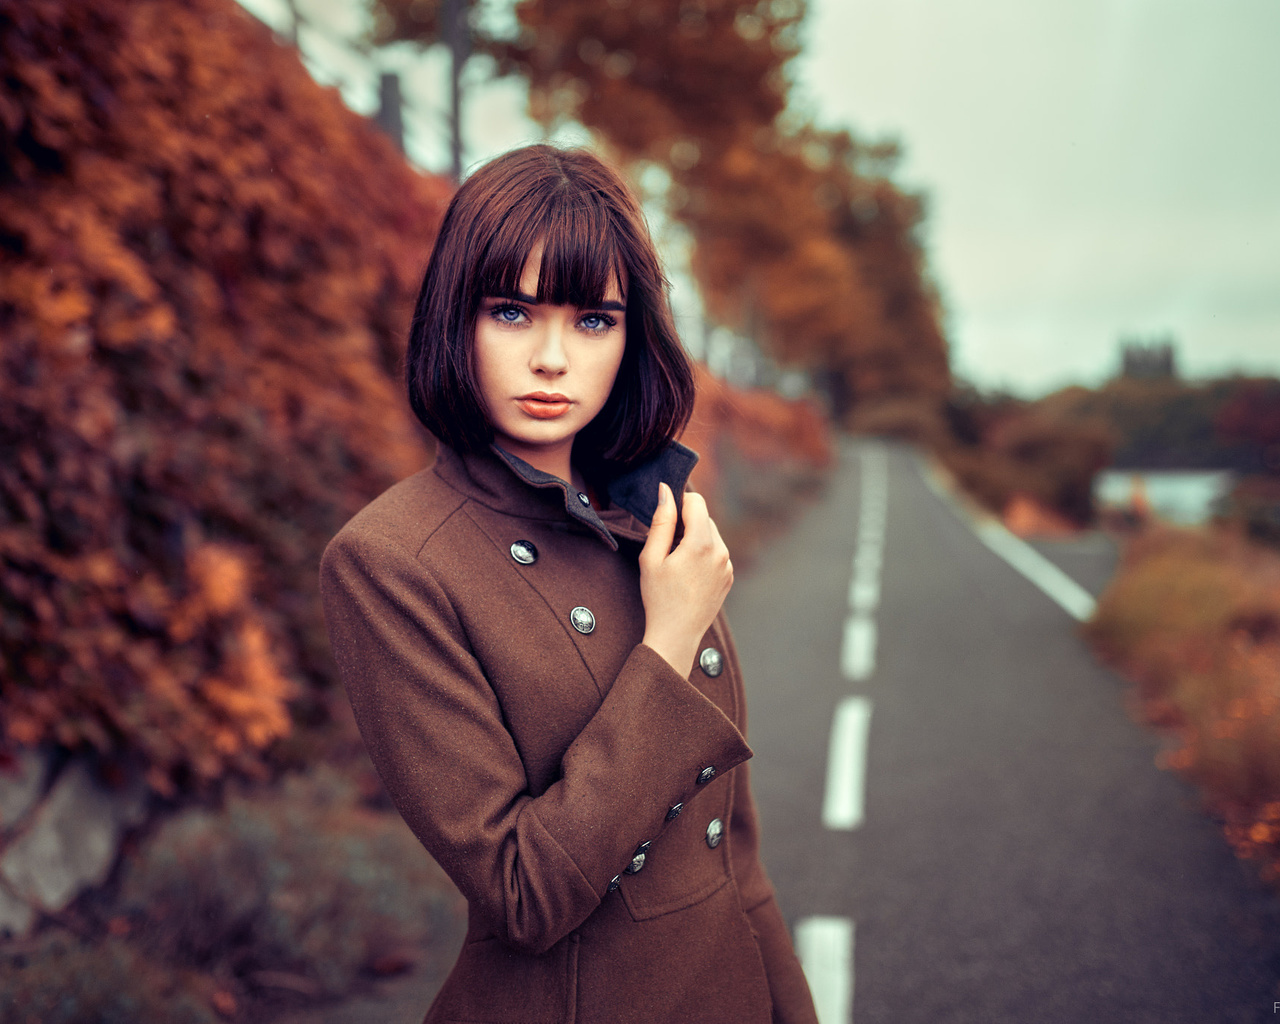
1229, 423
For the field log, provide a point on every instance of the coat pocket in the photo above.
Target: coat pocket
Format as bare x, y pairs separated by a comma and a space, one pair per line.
491, 983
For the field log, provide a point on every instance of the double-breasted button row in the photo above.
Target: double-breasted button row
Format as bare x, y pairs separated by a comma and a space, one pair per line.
715, 832
526, 553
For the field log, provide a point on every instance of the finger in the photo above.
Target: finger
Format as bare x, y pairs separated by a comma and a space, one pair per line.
662, 530
716, 540
721, 546
696, 519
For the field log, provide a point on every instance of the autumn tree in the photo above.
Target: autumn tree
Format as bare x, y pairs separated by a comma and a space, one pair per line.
1250, 416
206, 269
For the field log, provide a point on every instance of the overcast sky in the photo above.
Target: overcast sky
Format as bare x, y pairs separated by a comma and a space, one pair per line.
1095, 169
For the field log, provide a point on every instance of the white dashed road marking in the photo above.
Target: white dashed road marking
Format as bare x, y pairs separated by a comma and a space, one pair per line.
825, 948
845, 797
858, 652
825, 944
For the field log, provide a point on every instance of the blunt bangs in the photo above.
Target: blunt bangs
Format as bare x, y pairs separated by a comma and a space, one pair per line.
580, 255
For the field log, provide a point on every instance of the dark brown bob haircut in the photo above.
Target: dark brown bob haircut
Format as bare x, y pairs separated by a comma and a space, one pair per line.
593, 234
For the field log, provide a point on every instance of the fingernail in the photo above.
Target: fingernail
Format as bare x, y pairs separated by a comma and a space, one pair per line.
663, 491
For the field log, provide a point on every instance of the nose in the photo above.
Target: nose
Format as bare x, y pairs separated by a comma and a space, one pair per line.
549, 358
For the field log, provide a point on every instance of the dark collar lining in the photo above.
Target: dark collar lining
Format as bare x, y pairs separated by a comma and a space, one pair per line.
635, 492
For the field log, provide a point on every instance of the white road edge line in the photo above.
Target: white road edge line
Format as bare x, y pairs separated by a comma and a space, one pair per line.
1077, 601
1061, 588
844, 801
825, 948
858, 651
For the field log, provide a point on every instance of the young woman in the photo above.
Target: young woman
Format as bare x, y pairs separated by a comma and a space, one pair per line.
540, 671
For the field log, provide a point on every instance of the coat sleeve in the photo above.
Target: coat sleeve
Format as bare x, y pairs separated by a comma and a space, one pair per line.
532, 867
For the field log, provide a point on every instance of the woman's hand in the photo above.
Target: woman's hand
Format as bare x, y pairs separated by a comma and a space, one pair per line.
682, 590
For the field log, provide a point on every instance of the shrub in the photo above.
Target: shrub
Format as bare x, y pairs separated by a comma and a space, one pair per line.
206, 268
921, 421
1254, 503
758, 453
1193, 617
64, 980
1053, 461
300, 883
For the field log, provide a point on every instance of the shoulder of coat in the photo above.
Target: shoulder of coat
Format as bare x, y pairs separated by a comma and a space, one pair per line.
406, 515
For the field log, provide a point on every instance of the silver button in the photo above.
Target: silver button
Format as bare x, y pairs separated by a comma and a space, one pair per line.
711, 661
715, 832
582, 619
524, 552
583, 498
615, 883
674, 812
706, 775
637, 862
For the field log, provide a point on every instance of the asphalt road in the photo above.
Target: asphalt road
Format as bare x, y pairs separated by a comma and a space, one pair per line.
1020, 857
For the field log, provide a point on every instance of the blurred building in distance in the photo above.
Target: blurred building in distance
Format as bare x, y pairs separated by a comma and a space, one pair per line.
1155, 359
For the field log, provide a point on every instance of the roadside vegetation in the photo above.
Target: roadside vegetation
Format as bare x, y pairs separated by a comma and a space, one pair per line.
1193, 619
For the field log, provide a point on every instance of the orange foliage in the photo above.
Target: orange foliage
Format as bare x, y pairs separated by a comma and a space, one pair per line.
1193, 617
759, 426
206, 268
655, 73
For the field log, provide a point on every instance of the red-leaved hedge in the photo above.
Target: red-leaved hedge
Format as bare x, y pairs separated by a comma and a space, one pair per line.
207, 264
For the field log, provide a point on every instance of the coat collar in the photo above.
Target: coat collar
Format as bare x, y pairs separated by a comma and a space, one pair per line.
508, 484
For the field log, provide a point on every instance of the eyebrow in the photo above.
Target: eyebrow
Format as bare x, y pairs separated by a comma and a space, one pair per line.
532, 300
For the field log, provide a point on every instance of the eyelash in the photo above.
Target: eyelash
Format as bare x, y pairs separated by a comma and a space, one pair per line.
607, 322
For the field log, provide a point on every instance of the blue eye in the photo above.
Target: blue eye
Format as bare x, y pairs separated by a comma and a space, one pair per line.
507, 314
597, 323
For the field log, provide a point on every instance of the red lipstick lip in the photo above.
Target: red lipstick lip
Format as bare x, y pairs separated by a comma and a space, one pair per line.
542, 396
542, 406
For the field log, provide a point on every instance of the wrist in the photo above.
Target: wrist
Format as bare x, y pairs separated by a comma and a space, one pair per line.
676, 653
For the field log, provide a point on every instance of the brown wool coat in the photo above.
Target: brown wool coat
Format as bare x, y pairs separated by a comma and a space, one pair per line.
535, 761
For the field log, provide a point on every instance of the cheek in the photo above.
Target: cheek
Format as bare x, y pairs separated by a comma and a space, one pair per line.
606, 373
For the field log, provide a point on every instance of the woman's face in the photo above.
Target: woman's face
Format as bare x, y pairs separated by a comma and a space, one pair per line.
545, 371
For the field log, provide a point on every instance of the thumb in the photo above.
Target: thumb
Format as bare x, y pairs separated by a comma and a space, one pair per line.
662, 531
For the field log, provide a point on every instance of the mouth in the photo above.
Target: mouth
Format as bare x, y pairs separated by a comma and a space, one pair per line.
543, 406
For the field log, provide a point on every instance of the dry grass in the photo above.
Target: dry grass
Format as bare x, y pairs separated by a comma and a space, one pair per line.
1193, 618
294, 894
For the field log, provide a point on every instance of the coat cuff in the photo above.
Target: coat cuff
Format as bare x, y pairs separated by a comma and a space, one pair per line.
662, 742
